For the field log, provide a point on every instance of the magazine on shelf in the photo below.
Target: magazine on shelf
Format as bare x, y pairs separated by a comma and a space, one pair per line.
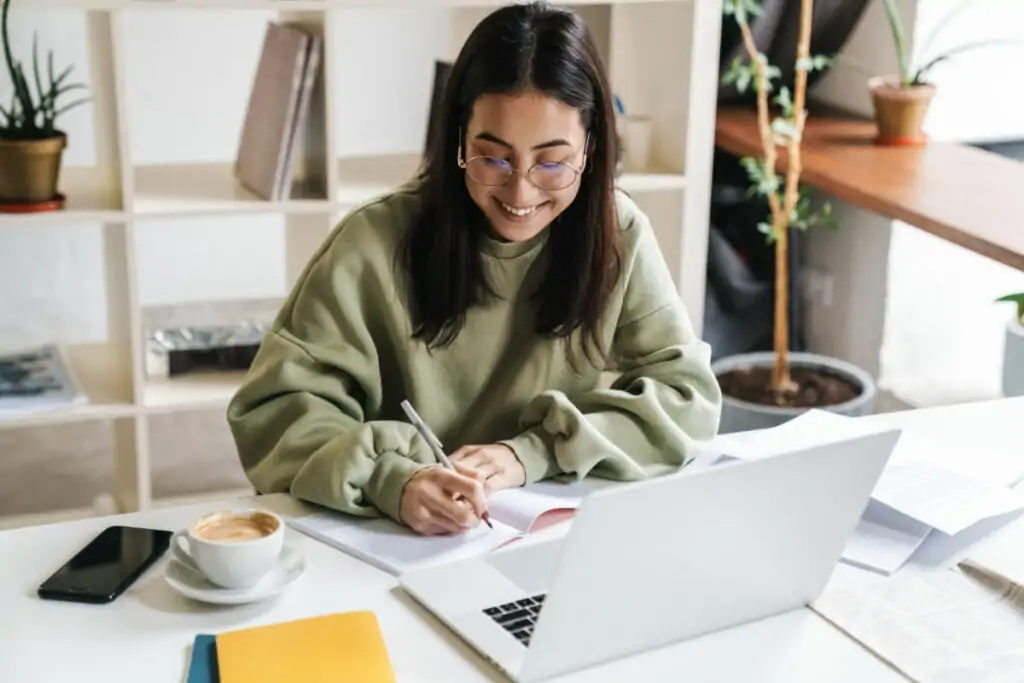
36, 379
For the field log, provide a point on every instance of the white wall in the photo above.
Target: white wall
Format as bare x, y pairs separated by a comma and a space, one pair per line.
943, 334
914, 310
188, 76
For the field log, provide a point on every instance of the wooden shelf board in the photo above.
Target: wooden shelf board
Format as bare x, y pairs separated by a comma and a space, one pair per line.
651, 181
195, 189
961, 194
187, 392
86, 201
66, 415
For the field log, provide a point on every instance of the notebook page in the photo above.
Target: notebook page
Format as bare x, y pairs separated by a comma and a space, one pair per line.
522, 507
395, 548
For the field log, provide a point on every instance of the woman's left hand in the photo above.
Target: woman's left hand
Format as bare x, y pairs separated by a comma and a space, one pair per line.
494, 465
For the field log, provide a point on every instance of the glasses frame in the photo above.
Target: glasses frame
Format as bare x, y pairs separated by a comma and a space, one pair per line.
513, 171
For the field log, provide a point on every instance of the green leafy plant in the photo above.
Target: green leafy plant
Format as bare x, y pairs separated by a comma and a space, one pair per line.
781, 128
1018, 299
911, 74
35, 107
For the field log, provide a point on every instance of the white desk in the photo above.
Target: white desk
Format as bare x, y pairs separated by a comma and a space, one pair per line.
145, 635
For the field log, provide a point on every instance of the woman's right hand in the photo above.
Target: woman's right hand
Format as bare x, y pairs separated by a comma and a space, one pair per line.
439, 501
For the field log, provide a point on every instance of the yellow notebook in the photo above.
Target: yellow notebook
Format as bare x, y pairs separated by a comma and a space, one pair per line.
336, 648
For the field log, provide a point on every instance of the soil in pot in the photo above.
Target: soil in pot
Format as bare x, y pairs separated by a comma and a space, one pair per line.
817, 388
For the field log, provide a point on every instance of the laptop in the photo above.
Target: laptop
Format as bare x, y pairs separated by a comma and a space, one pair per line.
650, 563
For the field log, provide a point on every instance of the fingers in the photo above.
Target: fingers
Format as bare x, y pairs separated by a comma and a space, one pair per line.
469, 472
430, 519
469, 487
464, 452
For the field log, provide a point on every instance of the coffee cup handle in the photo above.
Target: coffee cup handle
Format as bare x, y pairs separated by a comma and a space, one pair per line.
179, 550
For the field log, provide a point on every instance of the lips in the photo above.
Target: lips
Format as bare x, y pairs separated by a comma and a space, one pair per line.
518, 213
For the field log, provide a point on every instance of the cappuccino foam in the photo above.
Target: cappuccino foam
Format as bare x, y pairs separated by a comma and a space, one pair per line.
234, 528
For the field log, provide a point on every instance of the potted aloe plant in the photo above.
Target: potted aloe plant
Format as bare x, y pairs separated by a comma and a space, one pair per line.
764, 389
901, 100
31, 143
1013, 351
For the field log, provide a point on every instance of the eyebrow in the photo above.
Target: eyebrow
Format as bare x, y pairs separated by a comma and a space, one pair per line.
490, 137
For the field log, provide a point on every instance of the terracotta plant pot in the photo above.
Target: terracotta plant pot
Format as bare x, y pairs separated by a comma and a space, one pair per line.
900, 111
30, 169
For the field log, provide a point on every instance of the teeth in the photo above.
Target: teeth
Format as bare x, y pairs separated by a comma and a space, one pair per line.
518, 212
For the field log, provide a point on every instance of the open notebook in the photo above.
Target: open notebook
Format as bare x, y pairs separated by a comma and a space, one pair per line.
397, 549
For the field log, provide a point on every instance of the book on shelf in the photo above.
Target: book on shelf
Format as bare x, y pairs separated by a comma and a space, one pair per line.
37, 379
397, 549
278, 109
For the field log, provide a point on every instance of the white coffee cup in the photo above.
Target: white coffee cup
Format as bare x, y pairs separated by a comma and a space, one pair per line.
231, 548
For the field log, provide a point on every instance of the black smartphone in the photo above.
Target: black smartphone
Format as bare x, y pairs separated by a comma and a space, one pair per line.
107, 566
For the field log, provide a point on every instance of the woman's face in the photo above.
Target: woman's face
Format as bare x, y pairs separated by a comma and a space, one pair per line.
524, 131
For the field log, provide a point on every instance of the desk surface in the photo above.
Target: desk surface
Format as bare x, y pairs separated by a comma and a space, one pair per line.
964, 195
145, 635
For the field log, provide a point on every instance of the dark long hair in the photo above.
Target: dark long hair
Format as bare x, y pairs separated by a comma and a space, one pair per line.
515, 48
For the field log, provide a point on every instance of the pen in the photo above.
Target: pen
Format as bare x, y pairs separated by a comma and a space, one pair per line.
435, 445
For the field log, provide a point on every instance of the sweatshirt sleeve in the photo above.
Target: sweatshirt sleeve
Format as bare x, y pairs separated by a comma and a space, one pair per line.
303, 420
665, 399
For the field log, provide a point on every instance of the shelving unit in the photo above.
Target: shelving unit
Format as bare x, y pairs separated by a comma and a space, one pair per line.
662, 58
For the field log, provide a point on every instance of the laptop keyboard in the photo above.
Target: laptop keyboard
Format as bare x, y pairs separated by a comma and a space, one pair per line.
518, 617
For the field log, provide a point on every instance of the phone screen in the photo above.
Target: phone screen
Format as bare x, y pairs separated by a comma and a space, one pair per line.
107, 565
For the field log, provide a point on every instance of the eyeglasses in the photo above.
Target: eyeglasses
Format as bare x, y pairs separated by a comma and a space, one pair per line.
547, 175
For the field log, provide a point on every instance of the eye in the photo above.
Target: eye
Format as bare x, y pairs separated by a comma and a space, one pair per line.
495, 162
551, 165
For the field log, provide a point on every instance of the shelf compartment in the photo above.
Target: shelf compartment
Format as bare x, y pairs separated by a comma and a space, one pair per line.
364, 177
203, 189
94, 368
191, 392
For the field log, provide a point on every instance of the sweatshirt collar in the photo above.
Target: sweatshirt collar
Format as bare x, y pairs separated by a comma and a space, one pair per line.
498, 248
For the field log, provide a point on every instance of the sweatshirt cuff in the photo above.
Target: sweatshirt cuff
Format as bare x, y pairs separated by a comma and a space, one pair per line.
535, 449
391, 473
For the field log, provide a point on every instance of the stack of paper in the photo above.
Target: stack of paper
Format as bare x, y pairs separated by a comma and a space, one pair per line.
929, 485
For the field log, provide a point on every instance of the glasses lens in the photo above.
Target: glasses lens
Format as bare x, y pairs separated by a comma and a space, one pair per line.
553, 175
488, 170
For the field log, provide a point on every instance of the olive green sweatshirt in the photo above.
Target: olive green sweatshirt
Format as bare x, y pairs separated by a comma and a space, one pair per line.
319, 412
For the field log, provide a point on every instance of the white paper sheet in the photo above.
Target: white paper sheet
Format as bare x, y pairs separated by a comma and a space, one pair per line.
946, 501
1001, 553
1005, 467
396, 549
936, 627
521, 507
884, 540
929, 480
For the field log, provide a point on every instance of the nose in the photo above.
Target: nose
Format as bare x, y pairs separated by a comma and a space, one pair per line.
521, 192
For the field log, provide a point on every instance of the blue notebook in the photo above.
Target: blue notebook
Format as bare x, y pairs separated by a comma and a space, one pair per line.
203, 668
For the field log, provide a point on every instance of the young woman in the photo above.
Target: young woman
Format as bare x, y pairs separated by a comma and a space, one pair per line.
491, 292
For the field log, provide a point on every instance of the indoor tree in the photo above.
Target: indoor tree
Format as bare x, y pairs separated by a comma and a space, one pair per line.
781, 128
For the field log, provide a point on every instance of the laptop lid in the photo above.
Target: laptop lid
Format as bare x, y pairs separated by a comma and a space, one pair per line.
664, 560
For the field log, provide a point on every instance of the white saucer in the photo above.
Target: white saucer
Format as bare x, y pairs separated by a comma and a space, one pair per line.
192, 584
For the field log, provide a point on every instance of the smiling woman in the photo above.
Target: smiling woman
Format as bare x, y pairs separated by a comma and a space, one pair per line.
491, 292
